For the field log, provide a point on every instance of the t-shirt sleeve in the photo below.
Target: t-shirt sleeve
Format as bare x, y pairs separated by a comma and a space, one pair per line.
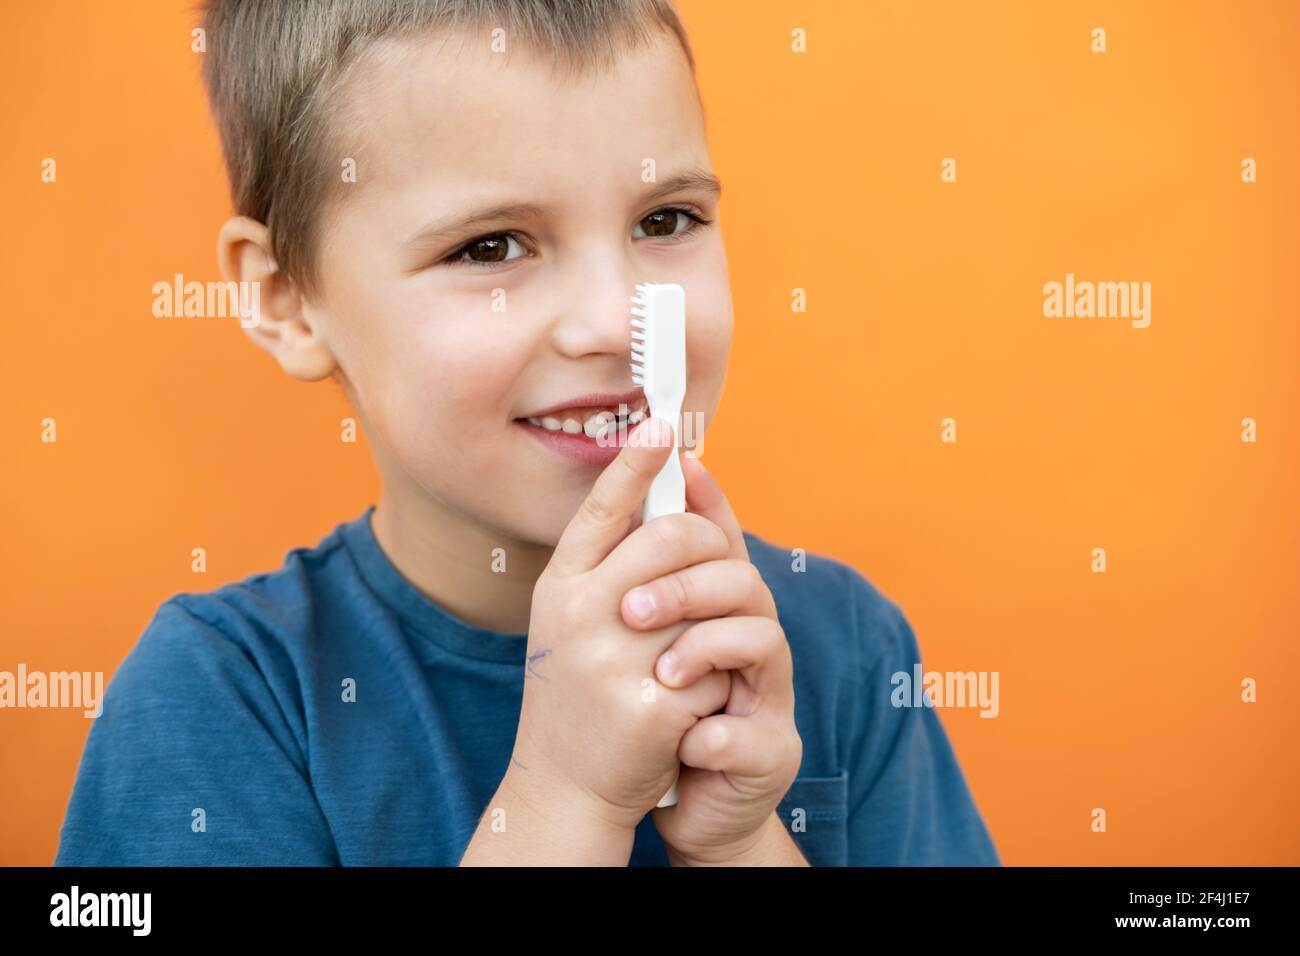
908, 800
193, 762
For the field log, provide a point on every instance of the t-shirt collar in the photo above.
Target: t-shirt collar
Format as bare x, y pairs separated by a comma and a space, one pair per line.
416, 611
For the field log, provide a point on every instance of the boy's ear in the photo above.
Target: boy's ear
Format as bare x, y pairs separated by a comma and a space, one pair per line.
281, 326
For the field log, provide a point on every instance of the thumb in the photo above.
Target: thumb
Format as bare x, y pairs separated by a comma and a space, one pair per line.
616, 497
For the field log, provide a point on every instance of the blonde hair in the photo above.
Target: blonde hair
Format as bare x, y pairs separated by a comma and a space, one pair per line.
272, 64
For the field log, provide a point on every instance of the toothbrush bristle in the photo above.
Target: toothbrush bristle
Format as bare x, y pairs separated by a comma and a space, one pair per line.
640, 345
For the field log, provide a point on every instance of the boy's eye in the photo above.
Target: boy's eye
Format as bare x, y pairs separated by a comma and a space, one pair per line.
662, 223
487, 251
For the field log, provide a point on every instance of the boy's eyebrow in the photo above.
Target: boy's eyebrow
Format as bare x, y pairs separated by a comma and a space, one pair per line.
699, 179
696, 178
497, 211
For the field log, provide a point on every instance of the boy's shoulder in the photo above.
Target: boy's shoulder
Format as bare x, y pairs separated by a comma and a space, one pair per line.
828, 609
268, 615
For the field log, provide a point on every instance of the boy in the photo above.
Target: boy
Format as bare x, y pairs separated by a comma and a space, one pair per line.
443, 204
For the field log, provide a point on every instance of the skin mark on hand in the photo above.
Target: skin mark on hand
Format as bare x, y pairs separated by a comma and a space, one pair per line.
533, 661
517, 764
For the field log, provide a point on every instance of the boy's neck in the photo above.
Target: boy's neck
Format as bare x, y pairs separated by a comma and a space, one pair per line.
451, 562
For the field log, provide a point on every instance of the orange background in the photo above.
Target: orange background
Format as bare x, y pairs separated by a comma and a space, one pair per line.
1118, 690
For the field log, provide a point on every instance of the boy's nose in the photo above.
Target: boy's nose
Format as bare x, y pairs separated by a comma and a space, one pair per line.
597, 316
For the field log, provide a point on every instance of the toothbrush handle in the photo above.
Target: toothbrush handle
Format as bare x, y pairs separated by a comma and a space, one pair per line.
667, 497
669, 799
667, 491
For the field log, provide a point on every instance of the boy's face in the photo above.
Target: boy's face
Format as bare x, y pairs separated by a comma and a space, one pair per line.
449, 335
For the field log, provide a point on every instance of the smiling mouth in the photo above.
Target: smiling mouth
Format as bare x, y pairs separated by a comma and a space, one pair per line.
593, 421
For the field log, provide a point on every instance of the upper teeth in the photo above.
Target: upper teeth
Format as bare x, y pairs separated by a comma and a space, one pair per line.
594, 426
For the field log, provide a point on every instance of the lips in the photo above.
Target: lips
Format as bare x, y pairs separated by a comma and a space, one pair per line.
590, 428
595, 400
596, 449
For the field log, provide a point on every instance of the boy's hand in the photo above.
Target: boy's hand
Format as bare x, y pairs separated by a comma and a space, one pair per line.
598, 736
738, 764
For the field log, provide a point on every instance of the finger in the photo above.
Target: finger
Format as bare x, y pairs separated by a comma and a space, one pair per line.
602, 520
706, 696
740, 746
754, 647
711, 589
666, 544
704, 496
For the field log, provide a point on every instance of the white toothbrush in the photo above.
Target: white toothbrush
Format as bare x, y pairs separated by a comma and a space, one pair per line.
659, 366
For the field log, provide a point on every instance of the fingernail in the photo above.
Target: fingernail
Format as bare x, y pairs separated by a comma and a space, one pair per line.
667, 667
641, 603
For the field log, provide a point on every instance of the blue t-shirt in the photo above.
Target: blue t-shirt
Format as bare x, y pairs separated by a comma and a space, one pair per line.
226, 738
